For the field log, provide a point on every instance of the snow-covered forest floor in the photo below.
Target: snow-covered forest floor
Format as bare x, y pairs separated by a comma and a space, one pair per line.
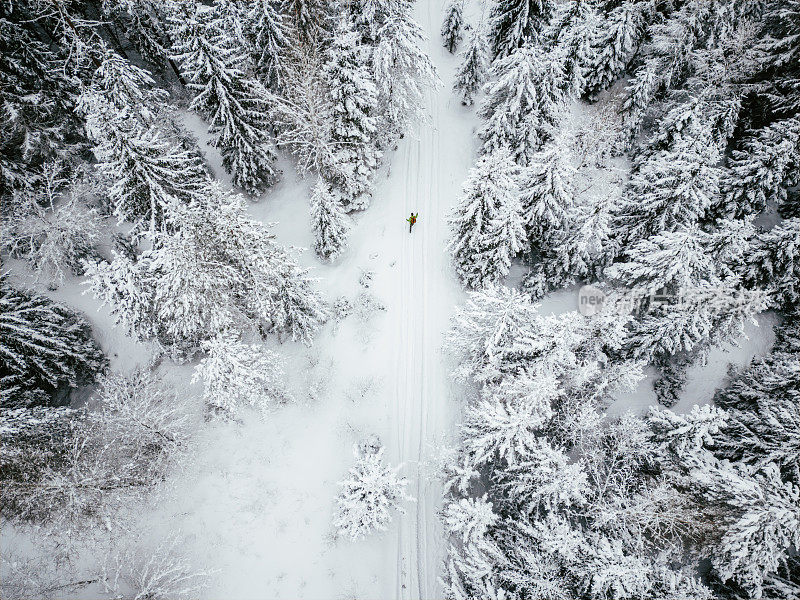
251, 500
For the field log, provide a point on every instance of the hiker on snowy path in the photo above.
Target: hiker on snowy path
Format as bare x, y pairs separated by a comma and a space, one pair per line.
411, 220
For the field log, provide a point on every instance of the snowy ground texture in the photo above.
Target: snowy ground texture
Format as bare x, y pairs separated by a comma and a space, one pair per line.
255, 500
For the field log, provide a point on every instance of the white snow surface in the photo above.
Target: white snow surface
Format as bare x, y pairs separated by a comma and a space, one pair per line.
257, 502
254, 501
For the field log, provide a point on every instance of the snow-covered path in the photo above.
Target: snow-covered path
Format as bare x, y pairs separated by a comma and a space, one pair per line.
426, 177
258, 500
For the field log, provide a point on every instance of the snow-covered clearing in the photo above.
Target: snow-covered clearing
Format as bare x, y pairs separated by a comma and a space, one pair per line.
257, 502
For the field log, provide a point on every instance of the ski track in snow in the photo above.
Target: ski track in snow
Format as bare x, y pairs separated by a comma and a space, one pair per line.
425, 301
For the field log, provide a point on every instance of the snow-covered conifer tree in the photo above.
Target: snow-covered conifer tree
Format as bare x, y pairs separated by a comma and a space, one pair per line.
40, 90
763, 170
573, 30
469, 518
487, 222
126, 86
671, 189
402, 72
667, 55
763, 405
523, 97
474, 65
328, 222
495, 431
236, 373
781, 49
44, 348
514, 22
547, 195
760, 520
677, 260
235, 103
616, 39
491, 319
354, 103
545, 478
267, 32
308, 18
369, 494
772, 262
452, 25
579, 253
146, 173
212, 270
705, 316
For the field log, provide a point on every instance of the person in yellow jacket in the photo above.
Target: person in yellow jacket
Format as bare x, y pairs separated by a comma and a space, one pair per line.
411, 220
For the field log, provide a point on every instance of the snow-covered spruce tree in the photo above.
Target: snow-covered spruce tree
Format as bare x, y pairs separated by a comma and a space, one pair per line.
369, 495
523, 98
761, 522
328, 222
781, 50
506, 235
497, 318
701, 302
547, 194
572, 31
146, 173
576, 509
40, 89
514, 22
402, 72
354, 103
752, 493
469, 518
145, 24
453, 24
763, 404
616, 39
127, 87
713, 315
772, 262
235, 373
44, 348
667, 55
473, 68
670, 189
308, 18
235, 103
213, 269
763, 170
267, 31
671, 379
753, 513
579, 253
487, 222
